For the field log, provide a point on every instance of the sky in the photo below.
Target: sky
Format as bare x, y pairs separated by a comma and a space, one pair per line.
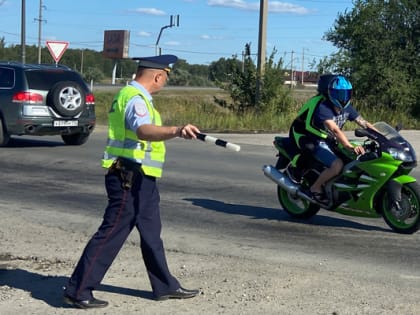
208, 29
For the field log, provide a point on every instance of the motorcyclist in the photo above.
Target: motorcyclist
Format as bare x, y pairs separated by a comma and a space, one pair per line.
318, 128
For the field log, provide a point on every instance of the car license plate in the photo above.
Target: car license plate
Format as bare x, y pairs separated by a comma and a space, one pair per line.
66, 123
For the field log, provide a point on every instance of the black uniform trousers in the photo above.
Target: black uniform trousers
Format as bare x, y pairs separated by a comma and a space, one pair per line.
137, 207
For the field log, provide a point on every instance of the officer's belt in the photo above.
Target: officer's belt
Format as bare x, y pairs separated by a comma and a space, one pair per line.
128, 164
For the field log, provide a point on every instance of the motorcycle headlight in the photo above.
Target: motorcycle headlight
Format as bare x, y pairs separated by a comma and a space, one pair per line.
401, 155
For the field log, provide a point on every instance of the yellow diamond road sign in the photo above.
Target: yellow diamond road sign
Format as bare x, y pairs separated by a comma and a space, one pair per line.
57, 49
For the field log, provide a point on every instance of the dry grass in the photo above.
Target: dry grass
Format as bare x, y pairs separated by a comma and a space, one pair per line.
196, 105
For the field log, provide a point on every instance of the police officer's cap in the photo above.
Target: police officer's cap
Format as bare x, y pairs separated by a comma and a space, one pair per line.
157, 62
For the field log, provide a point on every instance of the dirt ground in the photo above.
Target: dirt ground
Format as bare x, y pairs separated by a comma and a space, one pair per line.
37, 258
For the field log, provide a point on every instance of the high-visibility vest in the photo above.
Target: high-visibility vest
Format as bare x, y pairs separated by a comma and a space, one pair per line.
304, 125
123, 142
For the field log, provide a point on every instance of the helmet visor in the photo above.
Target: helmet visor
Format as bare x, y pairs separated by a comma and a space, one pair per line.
342, 96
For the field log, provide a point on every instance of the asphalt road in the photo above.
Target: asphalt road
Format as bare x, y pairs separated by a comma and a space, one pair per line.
207, 192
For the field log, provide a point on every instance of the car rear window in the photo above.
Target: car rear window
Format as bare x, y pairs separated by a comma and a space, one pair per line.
45, 79
7, 78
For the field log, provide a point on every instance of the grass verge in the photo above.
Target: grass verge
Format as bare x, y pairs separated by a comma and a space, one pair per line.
196, 106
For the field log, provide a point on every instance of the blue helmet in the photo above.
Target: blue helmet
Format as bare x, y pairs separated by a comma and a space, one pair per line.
340, 91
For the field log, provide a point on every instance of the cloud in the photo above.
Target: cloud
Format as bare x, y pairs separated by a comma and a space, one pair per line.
149, 11
237, 4
173, 43
210, 37
273, 6
283, 7
144, 34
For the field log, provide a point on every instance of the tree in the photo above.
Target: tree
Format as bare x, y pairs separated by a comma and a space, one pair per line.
241, 85
184, 74
378, 44
93, 74
275, 97
221, 70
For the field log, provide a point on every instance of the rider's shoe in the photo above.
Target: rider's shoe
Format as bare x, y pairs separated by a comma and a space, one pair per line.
320, 197
293, 174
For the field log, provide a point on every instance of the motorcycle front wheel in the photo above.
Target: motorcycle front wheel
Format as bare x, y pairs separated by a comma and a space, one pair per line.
296, 207
404, 219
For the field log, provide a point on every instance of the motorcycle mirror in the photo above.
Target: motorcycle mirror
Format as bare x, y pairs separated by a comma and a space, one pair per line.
359, 132
398, 127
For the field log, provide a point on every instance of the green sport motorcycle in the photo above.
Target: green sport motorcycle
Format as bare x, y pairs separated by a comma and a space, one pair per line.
374, 184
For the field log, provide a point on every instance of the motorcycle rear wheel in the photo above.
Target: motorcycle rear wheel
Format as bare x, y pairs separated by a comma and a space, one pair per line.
407, 219
296, 207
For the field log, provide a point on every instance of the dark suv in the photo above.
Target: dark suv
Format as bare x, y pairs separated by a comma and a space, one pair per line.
45, 100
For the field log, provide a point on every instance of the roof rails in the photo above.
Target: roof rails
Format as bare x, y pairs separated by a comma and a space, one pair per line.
11, 62
35, 65
50, 65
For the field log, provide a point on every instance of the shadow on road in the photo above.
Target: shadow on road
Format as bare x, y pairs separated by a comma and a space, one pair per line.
276, 214
35, 142
29, 143
50, 288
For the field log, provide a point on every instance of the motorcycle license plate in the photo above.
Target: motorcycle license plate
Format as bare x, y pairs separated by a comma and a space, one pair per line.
66, 123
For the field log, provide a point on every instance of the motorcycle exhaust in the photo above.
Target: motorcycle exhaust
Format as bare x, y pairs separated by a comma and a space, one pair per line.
284, 182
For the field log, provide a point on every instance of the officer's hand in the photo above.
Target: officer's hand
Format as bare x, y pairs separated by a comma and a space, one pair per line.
189, 132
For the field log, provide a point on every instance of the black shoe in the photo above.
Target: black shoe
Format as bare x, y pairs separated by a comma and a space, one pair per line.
294, 174
180, 293
307, 192
320, 197
92, 303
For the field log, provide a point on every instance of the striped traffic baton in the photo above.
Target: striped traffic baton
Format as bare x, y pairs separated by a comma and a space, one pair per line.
206, 138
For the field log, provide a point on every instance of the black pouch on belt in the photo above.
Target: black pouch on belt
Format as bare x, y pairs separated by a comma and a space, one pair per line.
126, 170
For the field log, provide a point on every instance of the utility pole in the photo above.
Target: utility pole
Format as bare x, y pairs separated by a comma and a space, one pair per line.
261, 48
23, 32
173, 22
291, 71
40, 20
303, 57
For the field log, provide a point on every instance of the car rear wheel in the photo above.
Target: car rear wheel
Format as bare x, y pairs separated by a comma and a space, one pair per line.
75, 138
68, 98
4, 136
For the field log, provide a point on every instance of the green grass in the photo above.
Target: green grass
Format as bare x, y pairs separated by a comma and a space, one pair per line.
196, 106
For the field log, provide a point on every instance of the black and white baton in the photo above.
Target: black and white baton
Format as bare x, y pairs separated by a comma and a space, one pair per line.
219, 142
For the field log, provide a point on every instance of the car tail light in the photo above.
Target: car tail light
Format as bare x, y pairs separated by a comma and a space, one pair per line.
28, 97
90, 99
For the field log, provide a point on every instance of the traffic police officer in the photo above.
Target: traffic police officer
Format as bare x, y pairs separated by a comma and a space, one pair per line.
134, 156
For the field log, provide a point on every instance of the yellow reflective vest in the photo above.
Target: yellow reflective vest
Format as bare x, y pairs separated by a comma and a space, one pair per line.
123, 142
